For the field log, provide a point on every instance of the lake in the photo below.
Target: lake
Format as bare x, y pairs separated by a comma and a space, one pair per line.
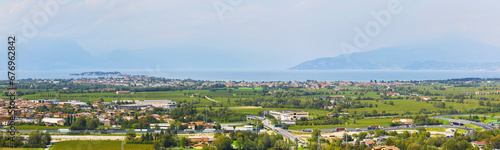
272, 75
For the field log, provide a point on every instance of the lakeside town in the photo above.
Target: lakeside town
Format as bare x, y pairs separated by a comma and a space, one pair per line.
367, 114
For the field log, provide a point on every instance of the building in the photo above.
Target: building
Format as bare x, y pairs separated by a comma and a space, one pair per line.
73, 102
403, 121
289, 121
137, 106
425, 98
168, 104
122, 92
392, 94
479, 144
288, 115
58, 121
49, 101
385, 147
161, 125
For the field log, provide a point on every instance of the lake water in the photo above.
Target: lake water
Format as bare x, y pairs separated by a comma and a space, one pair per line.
272, 75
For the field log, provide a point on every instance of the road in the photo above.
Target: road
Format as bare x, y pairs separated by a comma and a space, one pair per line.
284, 133
486, 126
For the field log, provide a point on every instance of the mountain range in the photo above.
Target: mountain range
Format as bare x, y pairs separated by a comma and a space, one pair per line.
432, 54
52, 54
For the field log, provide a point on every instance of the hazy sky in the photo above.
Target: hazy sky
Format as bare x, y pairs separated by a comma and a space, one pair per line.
288, 32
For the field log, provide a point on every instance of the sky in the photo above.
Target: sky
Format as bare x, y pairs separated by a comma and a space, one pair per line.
285, 33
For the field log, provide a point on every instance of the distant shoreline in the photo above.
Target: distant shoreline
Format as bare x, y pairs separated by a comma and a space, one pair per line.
98, 73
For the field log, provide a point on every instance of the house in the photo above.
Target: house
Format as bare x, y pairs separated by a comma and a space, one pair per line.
4, 122
106, 122
202, 140
122, 92
466, 93
385, 147
58, 121
404, 121
208, 126
370, 143
392, 94
425, 98
479, 144
482, 93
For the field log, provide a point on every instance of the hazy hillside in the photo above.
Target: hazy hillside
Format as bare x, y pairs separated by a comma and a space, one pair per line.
442, 54
66, 54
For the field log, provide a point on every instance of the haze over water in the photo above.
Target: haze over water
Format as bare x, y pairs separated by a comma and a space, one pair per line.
279, 75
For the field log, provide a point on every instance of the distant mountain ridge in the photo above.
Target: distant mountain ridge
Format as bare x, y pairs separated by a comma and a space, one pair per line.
442, 54
53, 54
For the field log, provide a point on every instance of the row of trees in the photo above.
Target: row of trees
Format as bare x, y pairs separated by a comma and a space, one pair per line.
36, 139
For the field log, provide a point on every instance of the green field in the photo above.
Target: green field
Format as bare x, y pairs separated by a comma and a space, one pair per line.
363, 123
477, 128
443, 121
99, 145
6, 148
35, 127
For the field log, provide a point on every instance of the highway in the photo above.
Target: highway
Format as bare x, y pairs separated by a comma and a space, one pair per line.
284, 133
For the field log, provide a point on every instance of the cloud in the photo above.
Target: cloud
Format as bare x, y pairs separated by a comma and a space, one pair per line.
289, 32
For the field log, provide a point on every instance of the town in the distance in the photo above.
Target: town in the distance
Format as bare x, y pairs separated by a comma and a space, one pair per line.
144, 112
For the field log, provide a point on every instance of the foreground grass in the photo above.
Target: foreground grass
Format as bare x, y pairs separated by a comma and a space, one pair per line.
6, 148
99, 145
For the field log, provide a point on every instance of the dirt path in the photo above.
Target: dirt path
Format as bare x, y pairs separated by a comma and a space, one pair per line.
210, 99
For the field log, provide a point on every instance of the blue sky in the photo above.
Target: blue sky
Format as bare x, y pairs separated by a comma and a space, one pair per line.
288, 32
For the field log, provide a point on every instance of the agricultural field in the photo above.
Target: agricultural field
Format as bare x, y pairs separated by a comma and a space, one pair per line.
35, 127
99, 145
6, 148
362, 123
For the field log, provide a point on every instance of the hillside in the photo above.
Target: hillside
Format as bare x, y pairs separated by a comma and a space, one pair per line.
443, 54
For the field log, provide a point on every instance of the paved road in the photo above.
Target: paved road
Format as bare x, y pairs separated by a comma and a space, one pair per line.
284, 133
486, 126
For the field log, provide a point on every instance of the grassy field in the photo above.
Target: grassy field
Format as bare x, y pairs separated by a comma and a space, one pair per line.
477, 128
35, 127
6, 148
363, 123
443, 121
99, 145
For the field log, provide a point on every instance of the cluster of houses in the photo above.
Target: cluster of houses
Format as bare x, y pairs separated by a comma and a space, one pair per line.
26, 111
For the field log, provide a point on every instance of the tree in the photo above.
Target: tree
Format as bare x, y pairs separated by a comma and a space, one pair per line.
362, 135
281, 145
481, 103
92, 123
79, 124
223, 142
374, 112
184, 141
38, 140
131, 135
315, 134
